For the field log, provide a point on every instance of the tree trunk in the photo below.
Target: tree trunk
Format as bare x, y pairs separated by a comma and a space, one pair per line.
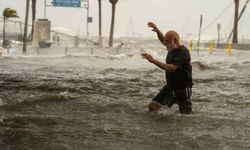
4, 42
26, 26
100, 23
236, 17
33, 17
113, 2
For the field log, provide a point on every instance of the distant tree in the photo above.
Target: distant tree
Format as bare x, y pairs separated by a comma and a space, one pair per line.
113, 3
33, 5
100, 22
236, 18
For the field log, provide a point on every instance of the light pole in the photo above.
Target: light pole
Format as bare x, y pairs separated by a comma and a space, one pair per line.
218, 28
87, 21
100, 23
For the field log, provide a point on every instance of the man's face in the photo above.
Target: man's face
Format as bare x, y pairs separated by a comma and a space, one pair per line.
169, 43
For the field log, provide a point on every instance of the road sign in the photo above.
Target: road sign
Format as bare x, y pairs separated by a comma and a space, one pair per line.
67, 3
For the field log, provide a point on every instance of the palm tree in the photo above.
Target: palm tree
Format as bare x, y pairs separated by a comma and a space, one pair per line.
33, 17
113, 3
26, 26
236, 17
100, 22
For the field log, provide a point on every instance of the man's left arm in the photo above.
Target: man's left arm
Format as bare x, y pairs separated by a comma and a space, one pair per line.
164, 66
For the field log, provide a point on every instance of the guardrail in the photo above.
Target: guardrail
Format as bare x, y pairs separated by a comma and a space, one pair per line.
225, 46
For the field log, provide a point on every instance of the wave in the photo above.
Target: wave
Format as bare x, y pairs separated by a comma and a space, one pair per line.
116, 56
246, 62
115, 107
2, 103
238, 102
10, 57
202, 66
44, 99
240, 65
102, 55
22, 121
214, 79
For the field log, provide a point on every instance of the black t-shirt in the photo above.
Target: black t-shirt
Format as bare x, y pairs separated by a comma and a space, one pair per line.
182, 77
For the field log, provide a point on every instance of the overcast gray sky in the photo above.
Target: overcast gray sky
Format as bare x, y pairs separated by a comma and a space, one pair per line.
133, 15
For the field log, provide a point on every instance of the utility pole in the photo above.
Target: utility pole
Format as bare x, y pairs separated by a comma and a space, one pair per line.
236, 19
111, 35
87, 21
26, 26
100, 23
242, 11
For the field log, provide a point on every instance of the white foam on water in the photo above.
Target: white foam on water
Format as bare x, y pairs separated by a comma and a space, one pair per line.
1, 102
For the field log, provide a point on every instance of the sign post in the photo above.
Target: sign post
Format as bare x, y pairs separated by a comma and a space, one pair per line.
74, 4
218, 28
199, 34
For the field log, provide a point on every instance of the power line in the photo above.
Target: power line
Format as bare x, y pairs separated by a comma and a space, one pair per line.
212, 22
242, 11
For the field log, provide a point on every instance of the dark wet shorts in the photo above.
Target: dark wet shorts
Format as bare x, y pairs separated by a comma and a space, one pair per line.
168, 96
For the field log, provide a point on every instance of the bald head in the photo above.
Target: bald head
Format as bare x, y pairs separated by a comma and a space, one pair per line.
172, 35
172, 40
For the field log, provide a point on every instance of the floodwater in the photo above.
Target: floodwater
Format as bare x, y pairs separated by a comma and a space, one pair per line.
98, 101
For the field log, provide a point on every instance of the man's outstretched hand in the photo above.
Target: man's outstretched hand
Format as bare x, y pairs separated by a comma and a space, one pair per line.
147, 56
153, 26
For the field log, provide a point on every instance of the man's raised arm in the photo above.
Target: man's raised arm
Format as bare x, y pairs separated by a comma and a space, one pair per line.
155, 29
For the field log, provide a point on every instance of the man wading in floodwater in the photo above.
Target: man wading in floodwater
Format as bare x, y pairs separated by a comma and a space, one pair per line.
178, 73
